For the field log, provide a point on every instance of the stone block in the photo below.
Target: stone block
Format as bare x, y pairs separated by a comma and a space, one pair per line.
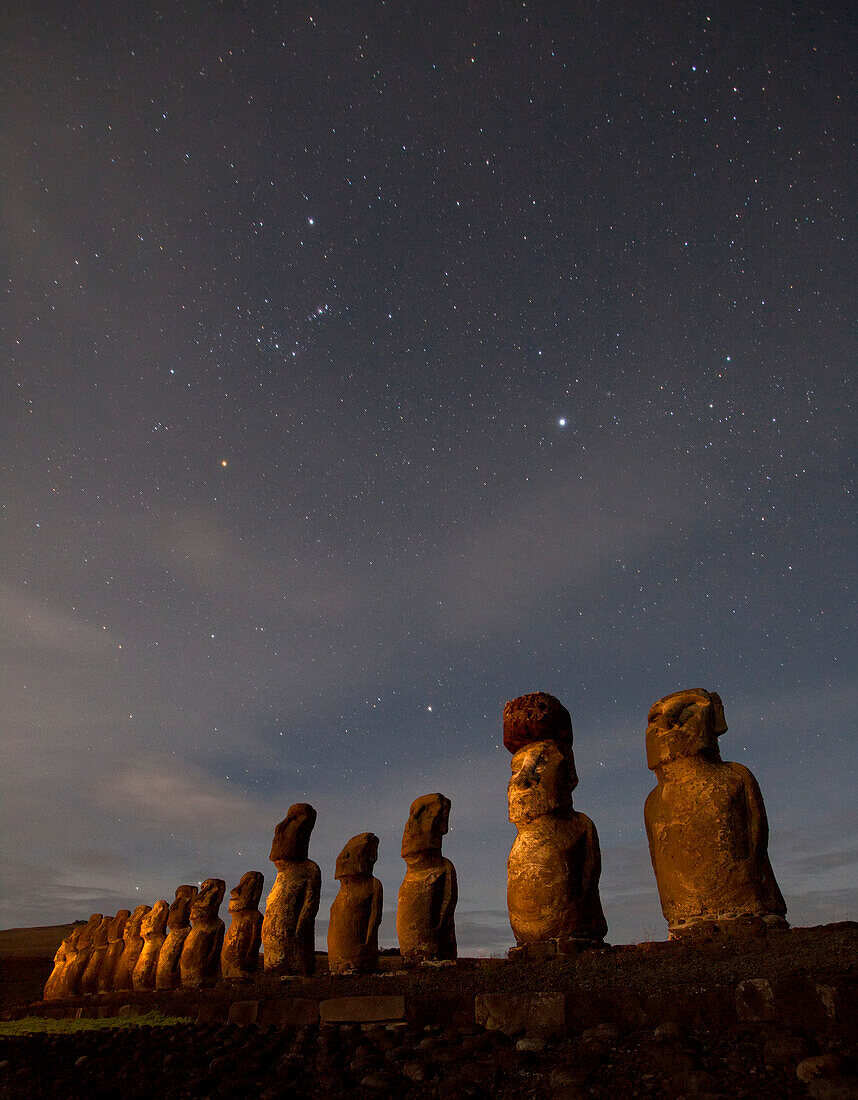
289, 1012
514, 1013
211, 1013
243, 1012
755, 1001
362, 1010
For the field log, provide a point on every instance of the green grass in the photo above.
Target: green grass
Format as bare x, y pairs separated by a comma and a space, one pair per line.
36, 1025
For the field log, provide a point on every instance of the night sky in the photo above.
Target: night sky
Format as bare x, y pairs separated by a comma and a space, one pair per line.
365, 365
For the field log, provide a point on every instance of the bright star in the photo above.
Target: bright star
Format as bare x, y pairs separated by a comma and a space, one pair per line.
562, 421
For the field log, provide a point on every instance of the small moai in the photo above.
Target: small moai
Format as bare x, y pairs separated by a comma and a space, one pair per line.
288, 930
70, 984
115, 947
132, 945
356, 910
167, 975
98, 950
706, 824
200, 961
554, 866
239, 958
154, 932
54, 986
426, 906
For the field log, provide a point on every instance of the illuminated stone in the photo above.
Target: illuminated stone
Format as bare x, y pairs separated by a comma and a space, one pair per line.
200, 961
288, 930
115, 947
356, 910
426, 906
154, 932
132, 945
168, 975
239, 957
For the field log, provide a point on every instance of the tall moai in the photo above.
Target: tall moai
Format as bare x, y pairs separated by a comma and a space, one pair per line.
70, 983
153, 929
200, 961
356, 910
167, 975
115, 947
239, 957
426, 907
288, 930
132, 945
706, 823
554, 866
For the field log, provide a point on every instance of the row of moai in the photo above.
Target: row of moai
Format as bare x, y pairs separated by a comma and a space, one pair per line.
705, 822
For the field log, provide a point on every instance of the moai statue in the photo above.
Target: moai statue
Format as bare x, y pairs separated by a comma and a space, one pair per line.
115, 947
167, 975
97, 951
154, 932
70, 984
356, 910
132, 940
428, 894
200, 962
54, 987
288, 931
239, 957
554, 865
706, 824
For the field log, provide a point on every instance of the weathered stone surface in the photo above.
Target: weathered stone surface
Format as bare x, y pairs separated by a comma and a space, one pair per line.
705, 821
200, 961
821, 1065
755, 1001
555, 862
425, 924
535, 717
239, 957
243, 1012
154, 931
55, 987
356, 910
362, 1010
132, 941
288, 930
515, 1013
97, 952
289, 1012
70, 983
168, 975
115, 947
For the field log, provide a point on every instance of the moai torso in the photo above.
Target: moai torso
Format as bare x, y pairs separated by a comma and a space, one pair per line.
98, 949
115, 947
555, 863
705, 821
132, 945
200, 961
167, 975
288, 930
239, 957
425, 924
154, 932
356, 910
70, 984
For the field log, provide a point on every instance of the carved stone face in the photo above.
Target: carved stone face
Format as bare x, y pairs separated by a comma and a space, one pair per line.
207, 902
248, 892
132, 928
116, 927
426, 825
292, 836
155, 921
683, 724
358, 857
179, 910
543, 778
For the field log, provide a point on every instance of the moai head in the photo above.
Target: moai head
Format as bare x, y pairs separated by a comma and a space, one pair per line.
155, 921
135, 922
426, 825
537, 730
116, 928
358, 857
685, 723
205, 905
535, 717
89, 929
181, 907
248, 892
291, 842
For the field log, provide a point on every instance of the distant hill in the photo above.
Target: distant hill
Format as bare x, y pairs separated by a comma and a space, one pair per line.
33, 943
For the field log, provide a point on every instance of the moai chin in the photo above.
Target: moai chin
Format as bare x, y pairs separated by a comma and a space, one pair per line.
200, 961
554, 866
426, 906
115, 947
132, 945
288, 930
356, 910
239, 957
153, 929
69, 983
97, 952
706, 824
167, 975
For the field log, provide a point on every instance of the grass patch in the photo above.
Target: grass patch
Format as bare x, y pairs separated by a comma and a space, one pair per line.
36, 1025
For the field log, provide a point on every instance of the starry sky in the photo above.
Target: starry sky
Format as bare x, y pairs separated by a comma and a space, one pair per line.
365, 365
